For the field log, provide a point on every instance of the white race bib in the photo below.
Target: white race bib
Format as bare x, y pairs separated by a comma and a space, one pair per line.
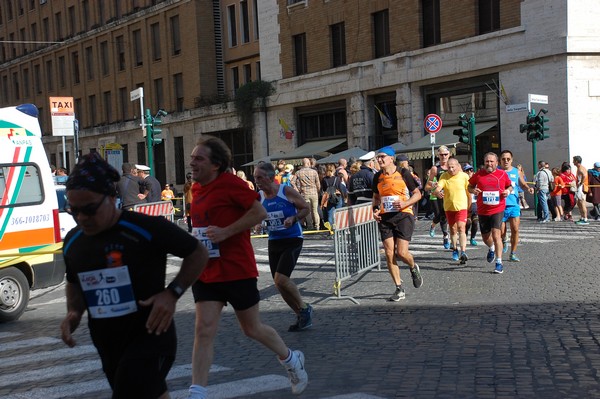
388, 203
490, 197
275, 221
108, 292
200, 234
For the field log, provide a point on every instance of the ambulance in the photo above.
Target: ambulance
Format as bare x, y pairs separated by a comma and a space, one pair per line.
30, 236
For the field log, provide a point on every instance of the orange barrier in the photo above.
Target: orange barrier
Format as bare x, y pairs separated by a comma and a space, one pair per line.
161, 208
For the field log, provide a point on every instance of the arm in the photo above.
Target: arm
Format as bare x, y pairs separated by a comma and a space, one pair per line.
163, 304
376, 204
301, 205
524, 184
75, 309
430, 185
255, 215
438, 189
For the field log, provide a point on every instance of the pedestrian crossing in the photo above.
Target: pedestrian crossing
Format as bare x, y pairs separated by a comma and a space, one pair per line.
31, 370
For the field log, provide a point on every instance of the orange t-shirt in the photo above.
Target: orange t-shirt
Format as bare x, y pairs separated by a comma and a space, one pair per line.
392, 188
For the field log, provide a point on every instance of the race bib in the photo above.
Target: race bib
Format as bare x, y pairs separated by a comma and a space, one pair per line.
388, 203
275, 221
108, 292
200, 234
490, 197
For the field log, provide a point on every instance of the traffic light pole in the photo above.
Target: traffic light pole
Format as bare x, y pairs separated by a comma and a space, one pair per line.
473, 142
149, 141
535, 170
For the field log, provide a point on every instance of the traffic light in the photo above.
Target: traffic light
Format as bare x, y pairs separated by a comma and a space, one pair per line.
542, 128
530, 127
154, 127
463, 131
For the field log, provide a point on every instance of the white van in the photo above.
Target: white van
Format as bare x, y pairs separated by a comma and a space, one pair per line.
30, 236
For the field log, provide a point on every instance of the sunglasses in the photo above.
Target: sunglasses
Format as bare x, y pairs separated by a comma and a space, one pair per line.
444, 154
87, 210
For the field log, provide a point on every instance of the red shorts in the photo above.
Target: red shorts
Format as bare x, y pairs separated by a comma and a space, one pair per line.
456, 216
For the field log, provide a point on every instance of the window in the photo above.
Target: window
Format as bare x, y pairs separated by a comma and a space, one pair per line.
179, 160
300, 64
92, 110
141, 153
175, 37
58, 26
21, 8
13, 49
155, 32
137, 47
256, 20
34, 36
101, 12
489, 16
31, 191
26, 87
78, 107
61, 69
49, 75
235, 79
23, 40
232, 26
258, 74
9, 10
158, 93
244, 21
247, 73
75, 67
89, 63
32, 5
15, 79
123, 103
121, 53
5, 87
338, 45
72, 21
37, 79
3, 53
178, 90
86, 14
125, 148
107, 99
381, 33
46, 30
104, 59
431, 23
320, 125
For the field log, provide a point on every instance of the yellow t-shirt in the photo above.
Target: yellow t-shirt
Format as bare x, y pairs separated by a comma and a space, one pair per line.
456, 196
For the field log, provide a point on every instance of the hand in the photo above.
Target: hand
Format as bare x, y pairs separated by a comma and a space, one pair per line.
531, 190
376, 215
505, 193
141, 196
68, 326
216, 234
288, 222
161, 315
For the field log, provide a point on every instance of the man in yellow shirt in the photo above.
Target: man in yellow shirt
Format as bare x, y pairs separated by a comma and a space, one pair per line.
457, 202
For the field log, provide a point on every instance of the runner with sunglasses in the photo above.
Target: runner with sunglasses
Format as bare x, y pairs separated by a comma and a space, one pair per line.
116, 268
437, 204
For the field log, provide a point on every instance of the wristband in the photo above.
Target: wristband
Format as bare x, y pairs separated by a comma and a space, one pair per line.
176, 289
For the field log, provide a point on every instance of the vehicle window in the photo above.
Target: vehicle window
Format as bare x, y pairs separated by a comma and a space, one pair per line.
20, 184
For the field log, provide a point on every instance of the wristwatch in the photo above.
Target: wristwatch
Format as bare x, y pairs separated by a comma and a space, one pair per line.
176, 289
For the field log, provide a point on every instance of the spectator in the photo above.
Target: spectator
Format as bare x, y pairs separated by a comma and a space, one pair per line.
334, 192
307, 183
360, 184
242, 175
473, 219
131, 189
556, 195
167, 194
582, 190
542, 182
187, 198
287, 176
593, 195
280, 171
568, 193
151, 182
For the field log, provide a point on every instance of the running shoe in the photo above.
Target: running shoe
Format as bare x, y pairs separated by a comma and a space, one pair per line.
499, 269
416, 277
473, 242
398, 294
446, 243
582, 222
432, 231
514, 257
490, 256
303, 321
463, 258
455, 254
297, 373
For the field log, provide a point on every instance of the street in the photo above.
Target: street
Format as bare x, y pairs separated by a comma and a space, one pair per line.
532, 331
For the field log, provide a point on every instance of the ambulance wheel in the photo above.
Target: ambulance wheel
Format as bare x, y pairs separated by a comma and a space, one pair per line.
14, 294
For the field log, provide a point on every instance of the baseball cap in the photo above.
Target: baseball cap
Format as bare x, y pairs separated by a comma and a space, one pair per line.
368, 156
597, 165
388, 150
467, 167
401, 158
289, 167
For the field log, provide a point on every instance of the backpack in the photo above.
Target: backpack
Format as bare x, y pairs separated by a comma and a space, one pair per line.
331, 190
551, 184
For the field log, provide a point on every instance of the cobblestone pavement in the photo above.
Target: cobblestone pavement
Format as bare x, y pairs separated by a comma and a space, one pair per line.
531, 332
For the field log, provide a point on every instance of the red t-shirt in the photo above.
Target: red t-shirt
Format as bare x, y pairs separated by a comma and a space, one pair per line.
220, 203
490, 202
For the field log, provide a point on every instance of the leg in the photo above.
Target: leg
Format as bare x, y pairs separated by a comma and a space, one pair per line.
404, 254
252, 327
496, 237
207, 322
314, 211
514, 233
388, 246
462, 235
289, 292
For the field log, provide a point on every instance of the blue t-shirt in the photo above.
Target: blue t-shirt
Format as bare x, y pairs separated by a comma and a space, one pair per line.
278, 209
513, 197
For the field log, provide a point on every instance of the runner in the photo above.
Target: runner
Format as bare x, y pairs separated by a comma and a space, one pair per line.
492, 186
437, 204
285, 208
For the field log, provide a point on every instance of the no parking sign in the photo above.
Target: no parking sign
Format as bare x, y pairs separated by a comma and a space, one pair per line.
433, 123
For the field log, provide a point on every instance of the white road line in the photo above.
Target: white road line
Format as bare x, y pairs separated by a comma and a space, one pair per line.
8, 334
242, 388
80, 388
354, 396
28, 343
47, 355
50, 372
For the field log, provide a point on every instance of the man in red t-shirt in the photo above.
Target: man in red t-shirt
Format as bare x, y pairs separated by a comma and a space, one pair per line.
223, 210
491, 186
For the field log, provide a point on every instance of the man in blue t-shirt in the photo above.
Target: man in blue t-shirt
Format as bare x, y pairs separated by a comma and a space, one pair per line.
512, 212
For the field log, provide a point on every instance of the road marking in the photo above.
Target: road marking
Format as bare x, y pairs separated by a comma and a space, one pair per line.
48, 355
27, 343
355, 396
8, 334
242, 388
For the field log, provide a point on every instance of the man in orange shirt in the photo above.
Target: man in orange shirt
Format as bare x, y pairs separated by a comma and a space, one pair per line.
394, 194
582, 189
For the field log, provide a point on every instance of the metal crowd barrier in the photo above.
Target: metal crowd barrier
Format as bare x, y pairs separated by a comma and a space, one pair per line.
356, 244
161, 208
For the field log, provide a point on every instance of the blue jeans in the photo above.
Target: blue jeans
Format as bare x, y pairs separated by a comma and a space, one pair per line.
542, 196
331, 211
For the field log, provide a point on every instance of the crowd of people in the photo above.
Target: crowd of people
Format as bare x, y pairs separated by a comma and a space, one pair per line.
116, 259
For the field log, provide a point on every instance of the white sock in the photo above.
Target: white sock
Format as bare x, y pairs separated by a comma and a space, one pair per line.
198, 392
498, 260
289, 358
493, 247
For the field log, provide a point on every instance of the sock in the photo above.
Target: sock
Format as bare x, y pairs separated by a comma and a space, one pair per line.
493, 248
289, 357
198, 392
498, 260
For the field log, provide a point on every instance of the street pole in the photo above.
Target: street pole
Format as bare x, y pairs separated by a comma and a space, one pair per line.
149, 142
535, 170
473, 143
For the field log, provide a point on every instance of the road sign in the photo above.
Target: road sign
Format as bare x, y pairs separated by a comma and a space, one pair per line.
432, 138
137, 93
433, 123
516, 107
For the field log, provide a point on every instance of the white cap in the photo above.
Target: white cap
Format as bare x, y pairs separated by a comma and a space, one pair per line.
142, 167
368, 156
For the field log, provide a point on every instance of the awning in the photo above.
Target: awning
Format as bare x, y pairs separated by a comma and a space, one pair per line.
313, 149
355, 152
421, 149
269, 158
